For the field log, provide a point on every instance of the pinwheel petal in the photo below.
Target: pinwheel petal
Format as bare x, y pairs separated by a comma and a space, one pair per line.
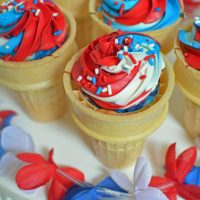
57, 191
16, 139
142, 174
122, 181
34, 175
189, 192
170, 161
150, 193
9, 164
74, 173
31, 158
185, 162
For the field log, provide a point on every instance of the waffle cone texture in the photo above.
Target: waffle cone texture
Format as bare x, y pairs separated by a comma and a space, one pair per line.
188, 80
117, 139
39, 82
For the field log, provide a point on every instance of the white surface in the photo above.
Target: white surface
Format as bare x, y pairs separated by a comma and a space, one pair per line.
71, 147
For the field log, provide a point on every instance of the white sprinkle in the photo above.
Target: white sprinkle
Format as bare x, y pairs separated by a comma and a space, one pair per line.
55, 14
137, 46
89, 78
96, 71
10, 7
37, 12
152, 45
126, 66
109, 89
41, 1
126, 48
104, 90
116, 41
7, 46
79, 78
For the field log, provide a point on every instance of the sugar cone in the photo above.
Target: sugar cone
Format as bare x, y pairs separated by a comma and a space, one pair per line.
79, 9
164, 36
117, 139
39, 82
188, 80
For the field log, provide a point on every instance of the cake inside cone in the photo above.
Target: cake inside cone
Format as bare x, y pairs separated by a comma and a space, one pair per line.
140, 15
190, 44
120, 72
31, 29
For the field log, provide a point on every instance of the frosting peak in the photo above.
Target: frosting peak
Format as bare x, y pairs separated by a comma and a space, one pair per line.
30, 29
119, 71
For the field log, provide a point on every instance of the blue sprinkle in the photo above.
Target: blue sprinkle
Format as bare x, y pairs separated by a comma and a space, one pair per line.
94, 81
158, 9
21, 6
151, 61
35, 1
99, 89
120, 56
57, 33
14, 3
33, 10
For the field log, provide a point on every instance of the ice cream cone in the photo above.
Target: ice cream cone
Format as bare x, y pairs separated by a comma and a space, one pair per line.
163, 36
39, 82
79, 9
188, 80
117, 139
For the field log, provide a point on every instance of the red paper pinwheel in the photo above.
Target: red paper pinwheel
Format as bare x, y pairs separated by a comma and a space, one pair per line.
40, 172
176, 171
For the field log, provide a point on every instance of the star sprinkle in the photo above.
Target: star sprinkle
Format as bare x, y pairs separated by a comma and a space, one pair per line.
40, 171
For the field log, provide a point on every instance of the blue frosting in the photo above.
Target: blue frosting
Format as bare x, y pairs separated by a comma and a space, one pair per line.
79, 193
193, 177
172, 13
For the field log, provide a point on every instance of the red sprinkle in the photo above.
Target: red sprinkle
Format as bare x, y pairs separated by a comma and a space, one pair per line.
132, 59
121, 11
143, 77
149, 57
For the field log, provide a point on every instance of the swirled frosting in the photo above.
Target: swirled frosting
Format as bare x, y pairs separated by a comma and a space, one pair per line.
30, 29
120, 71
190, 44
140, 15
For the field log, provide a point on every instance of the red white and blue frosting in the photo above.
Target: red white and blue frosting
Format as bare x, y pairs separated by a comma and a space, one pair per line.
120, 71
30, 29
190, 44
140, 15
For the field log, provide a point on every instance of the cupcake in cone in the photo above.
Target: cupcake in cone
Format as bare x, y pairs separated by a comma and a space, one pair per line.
79, 9
119, 87
156, 18
36, 42
187, 69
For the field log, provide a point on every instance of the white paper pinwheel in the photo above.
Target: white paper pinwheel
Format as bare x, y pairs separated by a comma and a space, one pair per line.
13, 140
141, 180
